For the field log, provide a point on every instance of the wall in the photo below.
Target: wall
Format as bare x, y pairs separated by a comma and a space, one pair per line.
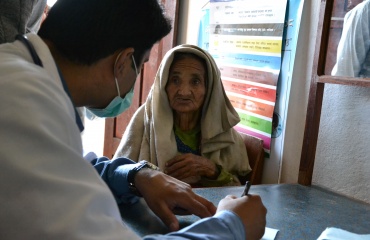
342, 157
343, 153
93, 136
189, 18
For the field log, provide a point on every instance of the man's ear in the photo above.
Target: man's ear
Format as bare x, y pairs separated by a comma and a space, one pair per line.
123, 60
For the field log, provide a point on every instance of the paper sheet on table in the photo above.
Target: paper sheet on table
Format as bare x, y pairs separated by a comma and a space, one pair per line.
340, 234
270, 234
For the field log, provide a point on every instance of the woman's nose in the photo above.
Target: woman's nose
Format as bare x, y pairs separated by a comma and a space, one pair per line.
184, 89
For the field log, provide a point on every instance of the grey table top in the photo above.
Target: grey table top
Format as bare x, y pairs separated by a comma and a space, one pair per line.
297, 211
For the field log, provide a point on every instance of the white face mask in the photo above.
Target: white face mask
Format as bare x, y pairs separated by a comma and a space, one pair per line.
118, 104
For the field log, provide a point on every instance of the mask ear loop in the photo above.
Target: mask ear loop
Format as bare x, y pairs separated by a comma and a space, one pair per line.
133, 59
114, 71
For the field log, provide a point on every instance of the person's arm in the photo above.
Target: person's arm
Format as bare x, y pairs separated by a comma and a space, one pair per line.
188, 165
223, 225
224, 178
172, 196
114, 173
354, 43
236, 218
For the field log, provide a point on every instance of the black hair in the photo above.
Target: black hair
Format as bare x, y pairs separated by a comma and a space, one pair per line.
85, 31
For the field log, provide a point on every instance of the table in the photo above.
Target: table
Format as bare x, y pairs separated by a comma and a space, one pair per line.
297, 211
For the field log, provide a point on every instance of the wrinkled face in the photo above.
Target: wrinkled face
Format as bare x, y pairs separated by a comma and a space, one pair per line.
186, 85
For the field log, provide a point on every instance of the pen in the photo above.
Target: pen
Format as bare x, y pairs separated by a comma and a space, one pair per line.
246, 189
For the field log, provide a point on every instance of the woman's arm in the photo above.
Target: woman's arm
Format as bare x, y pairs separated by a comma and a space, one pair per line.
190, 165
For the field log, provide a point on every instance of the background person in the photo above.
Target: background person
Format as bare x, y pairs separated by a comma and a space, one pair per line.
50, 191
38, 15
20, 17
186, 124
353, 58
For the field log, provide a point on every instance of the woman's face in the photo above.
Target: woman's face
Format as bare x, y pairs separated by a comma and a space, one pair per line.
186, 85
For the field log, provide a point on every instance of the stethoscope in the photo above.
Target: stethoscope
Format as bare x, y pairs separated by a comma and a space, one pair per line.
36, 59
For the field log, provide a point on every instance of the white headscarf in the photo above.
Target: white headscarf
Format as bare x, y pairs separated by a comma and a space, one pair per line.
150, 134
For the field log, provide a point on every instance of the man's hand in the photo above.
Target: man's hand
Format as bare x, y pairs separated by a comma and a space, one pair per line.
167, 196
189, 165
251, 211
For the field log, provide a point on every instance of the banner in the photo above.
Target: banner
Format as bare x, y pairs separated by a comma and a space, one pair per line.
245, 39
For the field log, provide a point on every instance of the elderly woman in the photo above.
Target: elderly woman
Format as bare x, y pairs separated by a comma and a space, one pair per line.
186, 125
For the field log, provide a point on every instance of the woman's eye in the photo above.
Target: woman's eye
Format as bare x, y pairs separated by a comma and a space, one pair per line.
196, 81
174, 81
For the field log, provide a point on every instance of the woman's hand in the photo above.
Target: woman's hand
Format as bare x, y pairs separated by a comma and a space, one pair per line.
189, 165
167, 196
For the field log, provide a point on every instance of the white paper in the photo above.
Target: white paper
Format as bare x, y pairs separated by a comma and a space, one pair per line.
270, 234
340, 234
